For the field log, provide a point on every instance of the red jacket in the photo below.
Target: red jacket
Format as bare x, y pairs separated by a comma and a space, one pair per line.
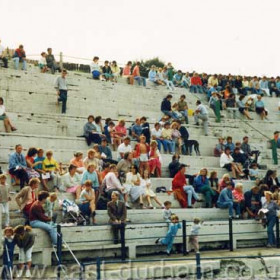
196, 81
179, 181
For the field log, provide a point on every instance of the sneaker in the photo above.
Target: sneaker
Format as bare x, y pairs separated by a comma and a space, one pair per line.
20, 272
27, 273
157, 241
127, 205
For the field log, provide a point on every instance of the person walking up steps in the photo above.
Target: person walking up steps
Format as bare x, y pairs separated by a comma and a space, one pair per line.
61, 87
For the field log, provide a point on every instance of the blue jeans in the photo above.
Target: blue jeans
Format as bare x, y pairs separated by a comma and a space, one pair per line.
139, 80
196, 89
46, 227
17, 60
271, 220
230, 205
163, 143
63, 98
185, 114
169, 113
189, 190
170, 144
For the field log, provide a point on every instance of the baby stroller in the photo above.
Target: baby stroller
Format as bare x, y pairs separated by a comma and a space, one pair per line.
71, 213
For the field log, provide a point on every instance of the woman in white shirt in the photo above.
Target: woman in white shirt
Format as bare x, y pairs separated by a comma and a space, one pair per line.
3, 117
156, 133
226, 161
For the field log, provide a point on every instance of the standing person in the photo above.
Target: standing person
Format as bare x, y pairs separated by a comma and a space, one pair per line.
167, 212
51, 63
193, 239
271, 217
61, 87
174, 226
5, 198
117, 215
17, 166
8, 253
27, 196
2, 57
19, 56
201, 113
142, 152
38, 219
24, 239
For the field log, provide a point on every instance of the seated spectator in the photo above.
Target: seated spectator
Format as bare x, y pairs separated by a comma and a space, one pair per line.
126, 73
220, 147
242, 108
137, 76
184, 193
167, 136
124, 148
214, 184
3, 116
213, 80
142, 150
223, 182
145, 129
230, 102
166, 106
51, 63
32, 173
196, 84
159, 76
91, 159
176, 136
19, 56
149, 193
186, 81
271, 179
115, 71
157, 135
91, 175
113, 136
183, 108
117, 214
264, 86
43, 63
252, 202
95, 68
246, 86
230, 144
105, 151
247, 149
103, 173
71, 181
38, 166
273, 87
111, 182
106, 132
27, 196
260, 108
51, 168
124, 165
226, 200
201, 183
177, 79
226, 161
166, 80
154, 160
77, 160
153, 77
175, 111
133, 186
238, 197
136, 129
174, 165
254, 172
2, 56
87, 201
38, 219
107, 71
239, 157
90, 130
17, 166
250, 104
120, 129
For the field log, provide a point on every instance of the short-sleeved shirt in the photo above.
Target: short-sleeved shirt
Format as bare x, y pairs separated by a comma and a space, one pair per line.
182, 105
83, 194
201, 108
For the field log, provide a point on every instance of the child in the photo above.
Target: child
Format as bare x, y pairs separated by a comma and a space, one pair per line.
171, 234
49, 207
43, 63
254, 172
167, 211
193, 239
146, 183
8, 253
4, 198
24, 239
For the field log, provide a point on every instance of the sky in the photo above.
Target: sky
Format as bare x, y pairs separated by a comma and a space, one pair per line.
213, 36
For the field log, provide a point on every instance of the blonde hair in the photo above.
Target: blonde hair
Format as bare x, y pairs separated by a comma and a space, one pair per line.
53, 195
196, 220
88, 183
49, 152
203, 169
174, 124
91, 165
154, 142
91, 151
226, 175
239, 186
174, 217
3, 176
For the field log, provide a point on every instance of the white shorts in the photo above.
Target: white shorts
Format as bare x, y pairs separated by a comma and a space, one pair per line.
143, 157
25, 256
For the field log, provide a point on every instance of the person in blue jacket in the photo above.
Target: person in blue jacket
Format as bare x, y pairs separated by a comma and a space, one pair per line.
174, 226
8, 253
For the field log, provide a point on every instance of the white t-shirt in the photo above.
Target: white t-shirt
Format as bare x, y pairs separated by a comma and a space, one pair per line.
156, 133
43, 61
124, 149
201, 108
225, 159
2, 110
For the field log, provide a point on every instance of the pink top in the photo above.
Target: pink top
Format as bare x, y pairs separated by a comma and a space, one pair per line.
136, 71
238, 195
120, 130
126, 71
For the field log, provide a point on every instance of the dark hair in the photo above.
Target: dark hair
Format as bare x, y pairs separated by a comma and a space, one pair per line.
107, 120
104, 140
143, 118
1, 99
182, 166
111, 123
175, 157
126, 155
183, 96
96, 57
106, 61
241, 97
169, 96
167, 203
245, 137
18, 145
42, 53
48, 49
43, 195
98, 119
114, 62
90, 116
32, 152
227, 148
71, 166
198, 102
129, 62
106, 165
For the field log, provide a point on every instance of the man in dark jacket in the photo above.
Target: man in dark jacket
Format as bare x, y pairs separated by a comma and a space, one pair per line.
117, 214
252, 202
166, 106
184, 135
